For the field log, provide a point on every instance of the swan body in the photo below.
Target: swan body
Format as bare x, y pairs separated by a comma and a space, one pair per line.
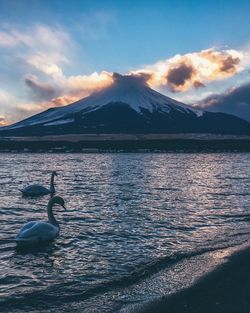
36, 232
38, 190
35, 190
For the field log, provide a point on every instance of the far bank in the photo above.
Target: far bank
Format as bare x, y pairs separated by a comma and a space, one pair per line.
99, 143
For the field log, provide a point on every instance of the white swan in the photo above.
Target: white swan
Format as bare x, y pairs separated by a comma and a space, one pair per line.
38, 190
34, 232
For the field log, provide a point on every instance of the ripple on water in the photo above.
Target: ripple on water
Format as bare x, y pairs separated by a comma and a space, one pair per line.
128, 216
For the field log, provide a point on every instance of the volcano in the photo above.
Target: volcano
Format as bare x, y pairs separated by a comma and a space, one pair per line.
129, 106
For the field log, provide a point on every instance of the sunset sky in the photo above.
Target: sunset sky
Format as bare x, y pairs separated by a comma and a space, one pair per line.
53, 53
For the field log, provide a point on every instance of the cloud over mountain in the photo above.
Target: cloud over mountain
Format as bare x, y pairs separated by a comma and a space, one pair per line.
40, 57
41, 91
2, 120
178, 76
234, 101
194, 70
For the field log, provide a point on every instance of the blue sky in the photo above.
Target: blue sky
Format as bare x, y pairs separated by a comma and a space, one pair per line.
114, 36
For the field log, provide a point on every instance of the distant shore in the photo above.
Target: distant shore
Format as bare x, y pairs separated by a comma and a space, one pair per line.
225, 290
99, 143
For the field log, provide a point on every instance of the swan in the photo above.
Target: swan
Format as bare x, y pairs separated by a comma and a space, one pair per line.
38, 232
38, 190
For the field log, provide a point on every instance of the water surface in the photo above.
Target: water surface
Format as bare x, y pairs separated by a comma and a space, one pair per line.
129, 217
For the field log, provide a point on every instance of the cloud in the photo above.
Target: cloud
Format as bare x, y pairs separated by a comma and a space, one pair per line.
5, 97
141, 78
52, 91
234, 101
10, 108
180, 75
226, 62
3, 121
48, 64
39, 36
40, 49
39, 56
82, 85
69, 89
61, 101
7, 40
194, 70
94, 25
177, 76
77, 87
198, 84
41, 91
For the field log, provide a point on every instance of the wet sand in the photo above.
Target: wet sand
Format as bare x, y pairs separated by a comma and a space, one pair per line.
225, 290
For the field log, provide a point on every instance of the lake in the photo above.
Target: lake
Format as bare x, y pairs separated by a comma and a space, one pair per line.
137, 226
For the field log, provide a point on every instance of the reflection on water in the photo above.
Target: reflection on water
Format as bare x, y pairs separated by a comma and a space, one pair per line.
125, 212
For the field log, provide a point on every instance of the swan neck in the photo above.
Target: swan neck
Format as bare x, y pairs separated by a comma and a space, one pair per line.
52, 187
51, 216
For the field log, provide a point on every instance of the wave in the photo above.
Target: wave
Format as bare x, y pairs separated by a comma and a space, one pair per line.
73, 291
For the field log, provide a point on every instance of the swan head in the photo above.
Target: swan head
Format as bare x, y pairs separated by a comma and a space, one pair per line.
58, 200
54, 173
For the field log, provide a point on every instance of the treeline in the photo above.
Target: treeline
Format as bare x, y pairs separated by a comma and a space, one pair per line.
161, 145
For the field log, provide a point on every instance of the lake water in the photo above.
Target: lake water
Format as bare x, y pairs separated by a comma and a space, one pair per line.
137, 226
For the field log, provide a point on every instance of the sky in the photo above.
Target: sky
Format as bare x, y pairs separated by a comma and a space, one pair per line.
53, 53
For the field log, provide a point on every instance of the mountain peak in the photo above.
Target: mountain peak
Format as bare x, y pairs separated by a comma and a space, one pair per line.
134, 91
131, 81
127, 105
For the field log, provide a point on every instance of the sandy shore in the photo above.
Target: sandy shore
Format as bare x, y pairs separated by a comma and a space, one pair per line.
225, 290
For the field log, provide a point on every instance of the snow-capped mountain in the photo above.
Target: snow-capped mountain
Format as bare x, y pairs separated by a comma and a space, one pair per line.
127, 106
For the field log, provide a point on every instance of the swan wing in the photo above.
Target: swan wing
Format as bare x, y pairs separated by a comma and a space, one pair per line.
35, 190
37, 231
27, 226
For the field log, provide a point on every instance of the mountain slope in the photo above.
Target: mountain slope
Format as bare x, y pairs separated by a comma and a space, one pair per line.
127, 106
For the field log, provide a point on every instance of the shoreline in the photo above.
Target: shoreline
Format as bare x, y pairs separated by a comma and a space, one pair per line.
224, 290
118, 145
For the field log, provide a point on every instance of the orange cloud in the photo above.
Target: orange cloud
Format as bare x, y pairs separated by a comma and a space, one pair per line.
48, 53
62, 101
193, 70
83, 85
68, 90
226, 63
180, 76
179, 73
3, 121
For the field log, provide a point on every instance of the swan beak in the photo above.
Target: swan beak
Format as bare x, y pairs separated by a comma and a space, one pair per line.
64, 207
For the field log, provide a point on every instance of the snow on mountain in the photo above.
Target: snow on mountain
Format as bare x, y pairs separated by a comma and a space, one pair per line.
128, 89
60, 122
127, 106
